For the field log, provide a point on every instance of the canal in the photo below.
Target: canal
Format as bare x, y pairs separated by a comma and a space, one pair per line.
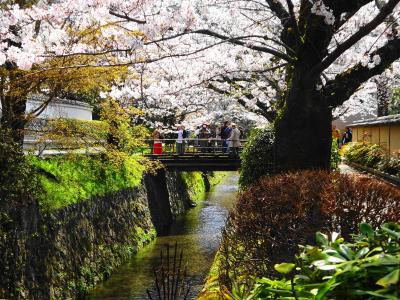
197, 233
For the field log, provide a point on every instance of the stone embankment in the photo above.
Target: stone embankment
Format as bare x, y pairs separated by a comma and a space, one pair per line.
62, 254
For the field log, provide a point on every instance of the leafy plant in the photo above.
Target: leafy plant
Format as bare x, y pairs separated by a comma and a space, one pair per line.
258, 157
335, 157
273, 217
367, 267
390, 165
373, 156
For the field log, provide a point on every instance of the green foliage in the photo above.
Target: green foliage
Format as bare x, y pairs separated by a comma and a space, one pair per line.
394, 104
335, 156
70, 134
372, 156
113, 133
270, 219
367, 267
194, 182
215, 177
17, 180
390, 165
67, 180
257, 157
122, 134
365, 154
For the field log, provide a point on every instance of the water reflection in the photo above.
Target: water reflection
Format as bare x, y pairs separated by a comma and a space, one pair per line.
197, 233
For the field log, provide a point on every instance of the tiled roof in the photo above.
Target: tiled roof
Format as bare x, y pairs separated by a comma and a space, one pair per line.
386, 120
40, 98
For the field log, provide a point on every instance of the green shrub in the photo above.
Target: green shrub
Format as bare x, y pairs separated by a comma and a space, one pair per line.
69, 179
367, 267
335, 157
18, 183
273, 217
257, 157
390, 165
372, 156
369, 155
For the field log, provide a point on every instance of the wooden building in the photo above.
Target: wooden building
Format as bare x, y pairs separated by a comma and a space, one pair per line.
384, 131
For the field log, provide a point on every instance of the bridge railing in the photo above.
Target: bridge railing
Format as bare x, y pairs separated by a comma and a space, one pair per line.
192, 146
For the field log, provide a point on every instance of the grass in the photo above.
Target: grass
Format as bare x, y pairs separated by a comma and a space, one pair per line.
65, 181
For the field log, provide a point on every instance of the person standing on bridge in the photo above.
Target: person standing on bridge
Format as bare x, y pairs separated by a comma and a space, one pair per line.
204, 136
180, 143
234, 139
157, 135
225, 133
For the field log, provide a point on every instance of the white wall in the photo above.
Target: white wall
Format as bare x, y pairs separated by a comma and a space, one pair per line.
60, 108
77, 110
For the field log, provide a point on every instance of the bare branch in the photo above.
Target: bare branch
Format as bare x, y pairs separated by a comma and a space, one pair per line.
241, 43
125, 16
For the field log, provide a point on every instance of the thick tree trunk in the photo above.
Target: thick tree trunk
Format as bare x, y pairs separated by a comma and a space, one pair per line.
303, 133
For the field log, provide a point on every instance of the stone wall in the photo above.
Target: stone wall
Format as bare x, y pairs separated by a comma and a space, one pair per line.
63, 254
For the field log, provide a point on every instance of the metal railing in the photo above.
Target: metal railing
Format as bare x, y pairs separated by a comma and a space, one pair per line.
193, 146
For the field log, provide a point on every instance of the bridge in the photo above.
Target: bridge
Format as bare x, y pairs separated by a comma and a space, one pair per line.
199, 155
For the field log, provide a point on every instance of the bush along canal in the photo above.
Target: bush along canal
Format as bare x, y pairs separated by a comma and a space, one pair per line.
197, 233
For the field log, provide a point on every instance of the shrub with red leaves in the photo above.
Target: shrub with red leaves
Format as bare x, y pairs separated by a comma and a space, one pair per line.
273, 217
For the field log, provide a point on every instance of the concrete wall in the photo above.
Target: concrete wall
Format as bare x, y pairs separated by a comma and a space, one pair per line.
387, 136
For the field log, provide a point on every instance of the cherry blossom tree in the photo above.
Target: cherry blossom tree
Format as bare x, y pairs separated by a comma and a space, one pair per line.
326, 50
291, 61
62, 47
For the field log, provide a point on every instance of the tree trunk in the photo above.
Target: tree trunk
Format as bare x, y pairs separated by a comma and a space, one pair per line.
383, 95
13, 119
303, 132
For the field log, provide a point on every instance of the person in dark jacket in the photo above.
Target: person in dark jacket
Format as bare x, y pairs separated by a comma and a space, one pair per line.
225, 134
204, 136
348, 136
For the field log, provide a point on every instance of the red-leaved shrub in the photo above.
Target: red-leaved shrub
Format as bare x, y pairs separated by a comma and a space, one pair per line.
277, 214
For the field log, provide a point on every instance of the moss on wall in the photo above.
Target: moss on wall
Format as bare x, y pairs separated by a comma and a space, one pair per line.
197, 183
216, 177
68, 180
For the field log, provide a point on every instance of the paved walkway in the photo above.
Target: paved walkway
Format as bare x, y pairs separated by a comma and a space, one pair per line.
346, 169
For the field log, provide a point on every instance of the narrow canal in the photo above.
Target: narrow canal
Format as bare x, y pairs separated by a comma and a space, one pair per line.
197, 232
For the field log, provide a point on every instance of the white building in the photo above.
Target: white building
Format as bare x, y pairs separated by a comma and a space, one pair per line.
58, 108
61, 108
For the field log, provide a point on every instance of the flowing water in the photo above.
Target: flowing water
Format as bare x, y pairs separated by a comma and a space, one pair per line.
197, 233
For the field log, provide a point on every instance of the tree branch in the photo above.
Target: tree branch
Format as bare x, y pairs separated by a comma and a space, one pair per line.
365, 30
235, 41
279, 10
344, 85
126, 17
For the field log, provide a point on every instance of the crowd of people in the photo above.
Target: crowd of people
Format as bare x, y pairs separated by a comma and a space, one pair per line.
342, 138
204, 138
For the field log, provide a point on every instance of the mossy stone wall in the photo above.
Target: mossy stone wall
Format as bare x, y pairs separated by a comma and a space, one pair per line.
63, 253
